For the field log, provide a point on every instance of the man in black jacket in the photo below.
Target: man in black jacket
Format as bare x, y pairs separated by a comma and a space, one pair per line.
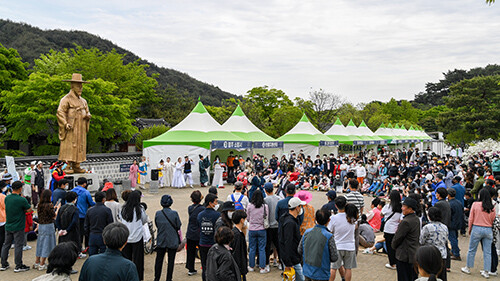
289, 237
406, 241
96, 219
239, 244
457, 219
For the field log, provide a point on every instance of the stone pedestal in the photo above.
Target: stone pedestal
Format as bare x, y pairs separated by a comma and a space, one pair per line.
92, 181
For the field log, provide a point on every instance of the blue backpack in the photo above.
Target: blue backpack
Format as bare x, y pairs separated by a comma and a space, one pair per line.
237, 204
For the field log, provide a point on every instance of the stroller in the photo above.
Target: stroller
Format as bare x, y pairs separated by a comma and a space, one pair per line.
149, 234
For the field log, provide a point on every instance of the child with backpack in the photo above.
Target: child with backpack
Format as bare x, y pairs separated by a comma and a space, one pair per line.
238, 197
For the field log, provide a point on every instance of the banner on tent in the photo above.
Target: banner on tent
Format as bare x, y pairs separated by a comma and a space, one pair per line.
267, 144
360, 142
328, 143
231, 144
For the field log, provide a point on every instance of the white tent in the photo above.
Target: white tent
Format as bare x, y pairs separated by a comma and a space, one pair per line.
198, 134
304, 136
262, 143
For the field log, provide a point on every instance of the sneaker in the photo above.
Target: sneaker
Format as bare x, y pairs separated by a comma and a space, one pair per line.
280, 267
485, 274
21, 268
268, 268
367, 251
264, 270
84, 251
493, 273
36, 265
250, 269
42, 267
4, 267
390, 266
82, 256
191, 185
465, 270
191, 273
73, 271
26, 248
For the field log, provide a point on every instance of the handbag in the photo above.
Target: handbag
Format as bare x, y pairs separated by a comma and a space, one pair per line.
182, 242
382, 225
266, 218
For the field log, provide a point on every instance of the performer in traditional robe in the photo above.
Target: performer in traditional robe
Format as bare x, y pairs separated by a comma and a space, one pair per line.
133, 174
161, 172
143, 172
218, 170
169, 172
204, 165
178, 180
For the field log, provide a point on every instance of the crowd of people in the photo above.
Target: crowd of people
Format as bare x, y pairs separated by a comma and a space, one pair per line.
420, 205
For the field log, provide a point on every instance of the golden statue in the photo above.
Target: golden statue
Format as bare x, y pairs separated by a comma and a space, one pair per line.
73, 117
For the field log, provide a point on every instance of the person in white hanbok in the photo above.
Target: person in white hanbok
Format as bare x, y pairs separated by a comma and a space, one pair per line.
161, 172
178, 180
218, 170
169, 172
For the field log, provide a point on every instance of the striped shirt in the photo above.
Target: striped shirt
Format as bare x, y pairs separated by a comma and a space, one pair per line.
354, 197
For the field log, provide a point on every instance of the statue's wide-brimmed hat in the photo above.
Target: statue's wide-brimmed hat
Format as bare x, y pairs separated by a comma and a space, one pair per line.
76, 77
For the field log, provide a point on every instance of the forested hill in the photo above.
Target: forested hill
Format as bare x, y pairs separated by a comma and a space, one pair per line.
31, 42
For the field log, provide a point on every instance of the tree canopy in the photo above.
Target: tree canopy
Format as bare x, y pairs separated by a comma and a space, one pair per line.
31, 106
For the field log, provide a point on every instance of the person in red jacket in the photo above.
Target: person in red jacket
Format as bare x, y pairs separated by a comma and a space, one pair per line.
27, 228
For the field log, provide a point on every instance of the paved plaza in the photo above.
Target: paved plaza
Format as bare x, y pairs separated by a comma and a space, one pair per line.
370, 267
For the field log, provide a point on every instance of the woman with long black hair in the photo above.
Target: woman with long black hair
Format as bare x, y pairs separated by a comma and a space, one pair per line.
428, 263
133, 216
257, 236
481, 218
392, 216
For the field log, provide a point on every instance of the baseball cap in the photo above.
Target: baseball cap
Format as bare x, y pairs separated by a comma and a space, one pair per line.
295, 202
268, 186
331, 194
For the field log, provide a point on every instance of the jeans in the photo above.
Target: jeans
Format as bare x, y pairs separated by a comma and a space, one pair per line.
453, 237
96, 244
160, 255
191, 254
373, 187
485, 236
299, 274
380, 245
18, 238
257, 238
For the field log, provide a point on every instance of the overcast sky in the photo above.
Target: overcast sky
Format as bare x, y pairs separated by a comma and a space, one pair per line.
362, 50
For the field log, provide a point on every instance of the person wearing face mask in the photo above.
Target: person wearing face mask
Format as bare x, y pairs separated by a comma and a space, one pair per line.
60, 193
226, 213
206, 223
239, 243
289, 234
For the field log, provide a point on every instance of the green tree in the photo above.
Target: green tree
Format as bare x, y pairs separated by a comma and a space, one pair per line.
31, 108
149, 133
267, 99
130, 79
284, 120
11, 68
220, 113
474, 109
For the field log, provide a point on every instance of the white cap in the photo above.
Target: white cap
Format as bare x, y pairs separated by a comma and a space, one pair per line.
295, 202
33, 163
